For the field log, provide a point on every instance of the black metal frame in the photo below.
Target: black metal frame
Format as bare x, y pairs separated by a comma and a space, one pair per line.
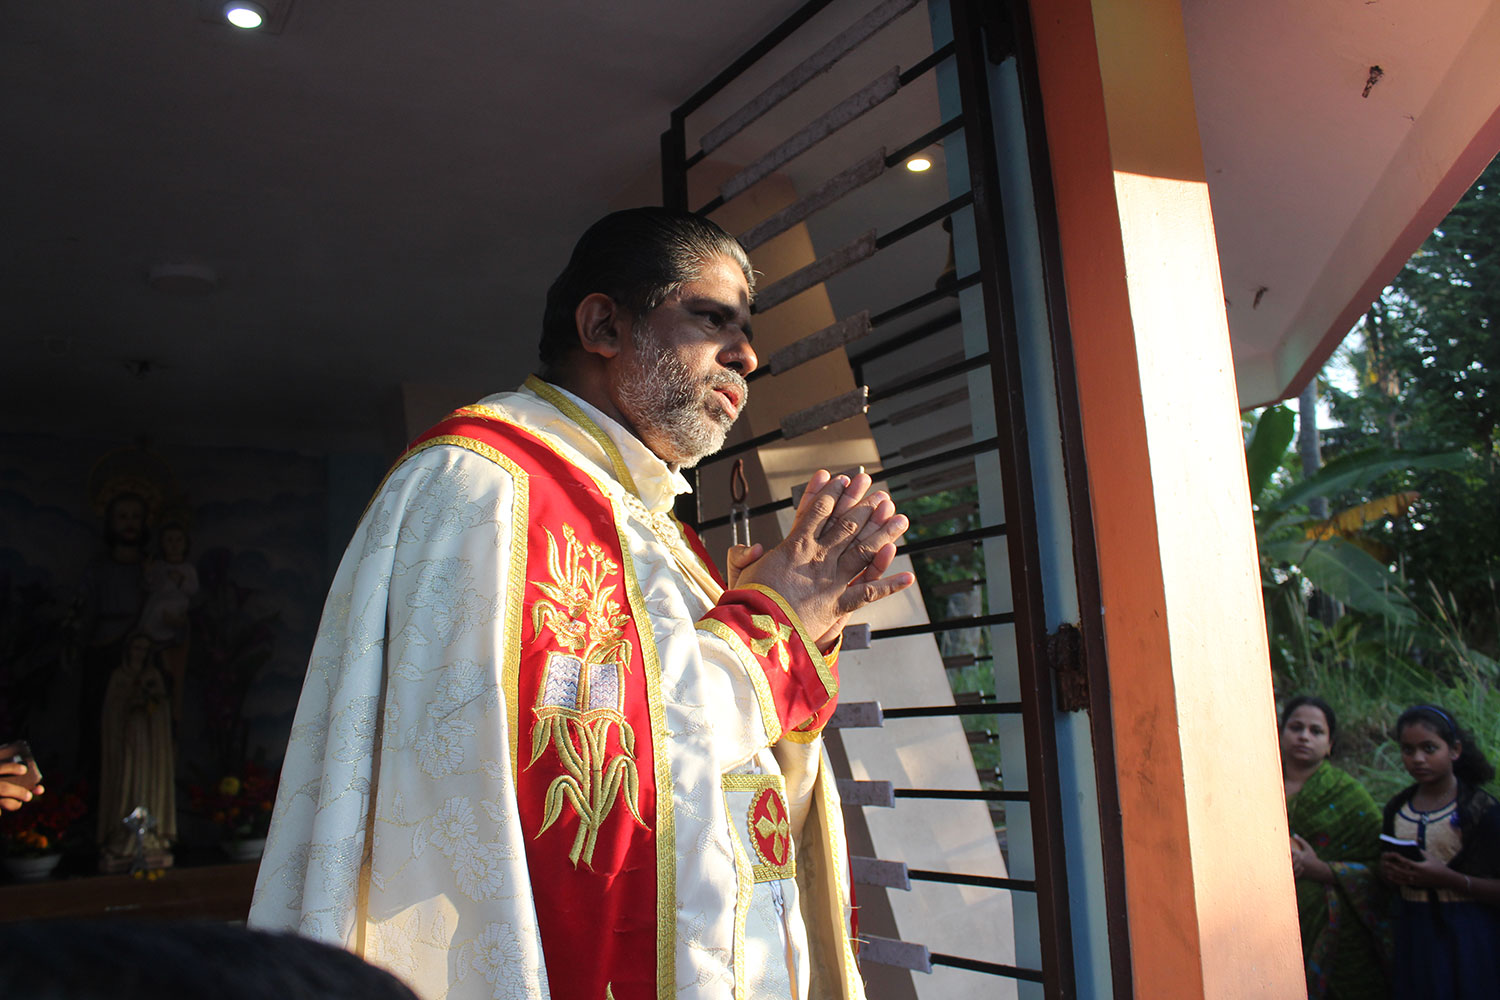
1056, 939
1085, 550
986, 33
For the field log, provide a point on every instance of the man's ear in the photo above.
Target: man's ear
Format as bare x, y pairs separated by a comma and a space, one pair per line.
598, 317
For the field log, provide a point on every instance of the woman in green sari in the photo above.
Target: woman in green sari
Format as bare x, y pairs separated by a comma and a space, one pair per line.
1335, 828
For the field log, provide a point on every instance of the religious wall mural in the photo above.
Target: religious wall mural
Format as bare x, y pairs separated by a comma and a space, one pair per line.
156, 614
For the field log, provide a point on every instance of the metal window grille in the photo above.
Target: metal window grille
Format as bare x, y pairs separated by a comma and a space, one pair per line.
940, 373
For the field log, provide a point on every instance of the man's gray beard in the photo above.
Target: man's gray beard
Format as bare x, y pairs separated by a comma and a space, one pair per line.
662, 395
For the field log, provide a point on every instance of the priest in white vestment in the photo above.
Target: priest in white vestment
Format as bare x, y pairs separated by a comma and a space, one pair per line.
541, 751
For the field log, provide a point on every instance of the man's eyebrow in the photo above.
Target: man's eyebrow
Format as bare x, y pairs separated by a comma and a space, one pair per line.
726, 310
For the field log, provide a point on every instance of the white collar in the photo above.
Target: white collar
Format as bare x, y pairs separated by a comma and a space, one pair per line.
613, 446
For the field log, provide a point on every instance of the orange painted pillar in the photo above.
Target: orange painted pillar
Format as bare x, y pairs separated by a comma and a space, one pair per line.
1211, 909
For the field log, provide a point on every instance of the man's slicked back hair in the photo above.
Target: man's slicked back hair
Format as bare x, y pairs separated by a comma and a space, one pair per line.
637, 257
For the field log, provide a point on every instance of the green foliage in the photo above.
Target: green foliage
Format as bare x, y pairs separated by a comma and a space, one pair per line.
1422, 419
1428, 363
1271, 436
934, 516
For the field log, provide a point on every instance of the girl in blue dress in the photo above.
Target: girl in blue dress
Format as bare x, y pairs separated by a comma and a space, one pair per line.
1448, 923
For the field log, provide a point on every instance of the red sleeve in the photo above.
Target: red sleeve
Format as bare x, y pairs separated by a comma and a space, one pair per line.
800, 683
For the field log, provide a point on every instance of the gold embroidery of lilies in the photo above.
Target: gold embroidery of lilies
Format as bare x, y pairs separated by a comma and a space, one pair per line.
581, 695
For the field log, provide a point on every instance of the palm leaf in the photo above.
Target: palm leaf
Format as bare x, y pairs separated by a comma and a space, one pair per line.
1267, 447
1346, 573
1355, 470
1349, 520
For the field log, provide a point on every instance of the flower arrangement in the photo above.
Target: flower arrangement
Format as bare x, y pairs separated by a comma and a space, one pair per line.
240, 804
41, 826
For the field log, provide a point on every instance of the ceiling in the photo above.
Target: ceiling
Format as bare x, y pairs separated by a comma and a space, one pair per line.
384, 189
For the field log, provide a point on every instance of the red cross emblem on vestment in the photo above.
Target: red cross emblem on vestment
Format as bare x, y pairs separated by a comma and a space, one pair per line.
770, 828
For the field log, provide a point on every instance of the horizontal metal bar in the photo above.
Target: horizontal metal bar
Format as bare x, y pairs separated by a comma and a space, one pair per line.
928, 711
837, 187
924, 140
945, 550
942, 481
947, 625
857, 715
936, 441
924, 220
816, 344
961, 794
925, 378
752, 55
989, 968
925, 299
917, 69
917, 465
712, 205
897, 954
808, 69
866, 793
757, 511
955, 539
874, 871
871, 95
958, 878
820, 270
834, 189
856, 636
954, 587
830, 411
929, 406
958, 512
740, 447
916, 334
805, 421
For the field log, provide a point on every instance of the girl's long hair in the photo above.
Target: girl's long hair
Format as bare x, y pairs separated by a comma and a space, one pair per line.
1472, 767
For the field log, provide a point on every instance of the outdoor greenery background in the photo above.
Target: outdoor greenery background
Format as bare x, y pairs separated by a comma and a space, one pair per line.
1410, 547
1381, 565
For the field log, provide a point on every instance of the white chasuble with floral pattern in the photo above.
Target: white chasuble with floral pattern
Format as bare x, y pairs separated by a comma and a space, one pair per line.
540, 752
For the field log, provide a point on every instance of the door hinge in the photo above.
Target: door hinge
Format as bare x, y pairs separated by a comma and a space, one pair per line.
1064, 652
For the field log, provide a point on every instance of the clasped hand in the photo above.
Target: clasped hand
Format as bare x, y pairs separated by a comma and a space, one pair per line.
833, 561
1427, 873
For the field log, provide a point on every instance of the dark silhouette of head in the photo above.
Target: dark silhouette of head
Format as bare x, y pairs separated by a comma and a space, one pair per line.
637, 257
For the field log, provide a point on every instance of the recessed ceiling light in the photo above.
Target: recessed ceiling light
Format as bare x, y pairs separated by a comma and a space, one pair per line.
244, 14
917, 164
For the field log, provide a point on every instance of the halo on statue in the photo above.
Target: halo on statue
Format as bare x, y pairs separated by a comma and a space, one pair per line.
132, 470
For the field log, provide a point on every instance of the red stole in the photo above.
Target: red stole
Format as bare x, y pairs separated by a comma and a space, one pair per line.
585, 717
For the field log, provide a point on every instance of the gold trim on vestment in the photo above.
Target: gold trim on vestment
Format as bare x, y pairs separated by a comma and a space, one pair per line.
666, 831
835, 845
763, 695
570, 410
830, 683
666, 825
677, 545
744, 883
510, 669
